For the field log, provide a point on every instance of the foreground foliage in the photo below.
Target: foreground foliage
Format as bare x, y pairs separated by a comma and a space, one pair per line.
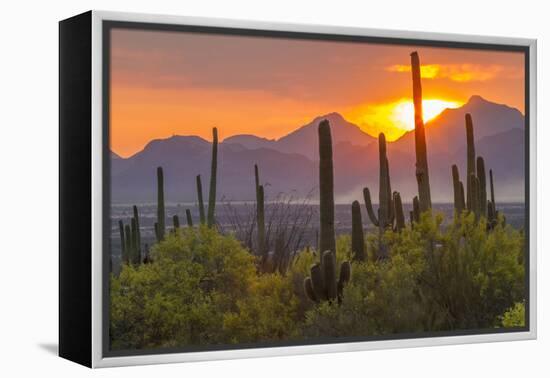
204, 288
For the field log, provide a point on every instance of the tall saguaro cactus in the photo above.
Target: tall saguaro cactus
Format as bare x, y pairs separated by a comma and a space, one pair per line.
386, 207
357, 235
161, 215
123, 251
480, 166
398, 211
137, 236
422, 175
470, 162
260, 214
458, 190
327, 241
213, 173
202, 215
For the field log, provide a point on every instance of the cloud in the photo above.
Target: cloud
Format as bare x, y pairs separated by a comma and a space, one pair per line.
456, 72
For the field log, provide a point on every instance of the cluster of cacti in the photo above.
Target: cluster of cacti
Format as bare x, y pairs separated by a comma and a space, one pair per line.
390, 207
260, 215
323, 284
130, 239
422, 175
213, 171
476, 182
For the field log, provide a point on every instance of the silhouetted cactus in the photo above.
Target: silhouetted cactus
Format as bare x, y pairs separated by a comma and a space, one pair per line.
202, 215
135, 256
176, 223
416, 209
213, 172
323, 283
386, 207
422, 174
161, 229
480, 166
123, 251
458, 190
471, 161
398, 211
189, 218
260, 214
357, 235
128, 241
137, 236
327, 241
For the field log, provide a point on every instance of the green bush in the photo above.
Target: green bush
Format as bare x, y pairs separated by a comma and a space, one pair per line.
180, 299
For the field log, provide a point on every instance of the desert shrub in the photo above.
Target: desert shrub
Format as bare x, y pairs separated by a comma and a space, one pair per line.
436, 278
268, 313
180, 299
514, 316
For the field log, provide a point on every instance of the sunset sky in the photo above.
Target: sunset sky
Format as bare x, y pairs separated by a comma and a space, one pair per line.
167, 83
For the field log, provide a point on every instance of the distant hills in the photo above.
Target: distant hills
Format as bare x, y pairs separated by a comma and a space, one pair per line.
290, 163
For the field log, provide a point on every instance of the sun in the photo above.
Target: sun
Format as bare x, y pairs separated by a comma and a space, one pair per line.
402, 112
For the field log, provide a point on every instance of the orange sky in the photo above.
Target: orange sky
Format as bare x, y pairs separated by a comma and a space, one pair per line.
166, 83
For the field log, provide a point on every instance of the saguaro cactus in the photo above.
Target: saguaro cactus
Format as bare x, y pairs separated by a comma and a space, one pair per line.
386, 207
123, 252
422, 175
458, 190
357, 235
176, 222
327, 240
160, 205
480, 166
416, 209
202, 215
137, 236
189, 218
398, 211
213, 173
471, 160
323, 283
260, 214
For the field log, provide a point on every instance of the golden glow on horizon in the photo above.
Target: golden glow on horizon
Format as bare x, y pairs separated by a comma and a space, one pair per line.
396, 117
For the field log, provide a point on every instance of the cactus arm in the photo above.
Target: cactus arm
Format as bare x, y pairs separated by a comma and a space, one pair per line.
357, 235
422, 175
457, 190
492, 188
368, 205
310, 292
202, 215
326, 189
317, 281
213, 173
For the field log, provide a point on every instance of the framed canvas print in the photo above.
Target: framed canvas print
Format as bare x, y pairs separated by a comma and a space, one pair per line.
236, 189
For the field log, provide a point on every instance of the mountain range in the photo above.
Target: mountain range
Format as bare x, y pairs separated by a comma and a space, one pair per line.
289, 164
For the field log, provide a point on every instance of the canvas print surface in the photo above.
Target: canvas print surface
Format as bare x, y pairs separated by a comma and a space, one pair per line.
272, 190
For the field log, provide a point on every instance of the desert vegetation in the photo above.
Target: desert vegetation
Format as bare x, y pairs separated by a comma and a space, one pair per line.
261, 281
